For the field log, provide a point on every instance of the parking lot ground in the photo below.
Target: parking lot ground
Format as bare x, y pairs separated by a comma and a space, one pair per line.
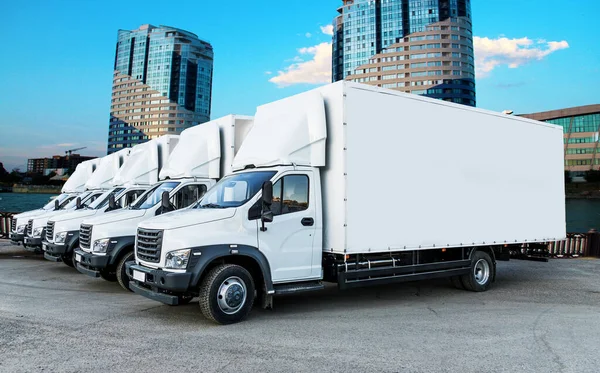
538, 317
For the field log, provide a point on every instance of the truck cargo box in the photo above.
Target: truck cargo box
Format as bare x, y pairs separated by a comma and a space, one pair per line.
407, 172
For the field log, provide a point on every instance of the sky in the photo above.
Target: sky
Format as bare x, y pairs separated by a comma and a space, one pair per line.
57, 60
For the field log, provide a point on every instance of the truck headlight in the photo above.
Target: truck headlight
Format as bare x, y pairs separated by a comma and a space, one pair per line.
60, 237
37, 232
21, 229
177, 259
100, 246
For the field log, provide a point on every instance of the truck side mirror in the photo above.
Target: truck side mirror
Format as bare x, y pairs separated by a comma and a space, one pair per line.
56, 205
165, 204
78, 203
266, 215
112, 205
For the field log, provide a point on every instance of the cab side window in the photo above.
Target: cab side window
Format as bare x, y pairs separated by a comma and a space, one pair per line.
290, 194
188, 195
130, 196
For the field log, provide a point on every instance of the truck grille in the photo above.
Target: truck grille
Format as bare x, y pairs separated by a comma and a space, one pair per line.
30, 227
85, 236
13, 225
149, 243
50, 231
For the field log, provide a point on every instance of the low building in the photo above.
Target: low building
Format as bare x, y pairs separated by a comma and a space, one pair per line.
39, 166
581, 128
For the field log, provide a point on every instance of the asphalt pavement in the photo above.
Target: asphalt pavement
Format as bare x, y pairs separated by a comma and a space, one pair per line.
538, 317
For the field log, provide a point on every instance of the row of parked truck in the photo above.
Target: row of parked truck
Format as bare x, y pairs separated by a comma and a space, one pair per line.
349, 184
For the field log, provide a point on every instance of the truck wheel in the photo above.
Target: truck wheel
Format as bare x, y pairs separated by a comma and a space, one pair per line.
184, 299
69, 259
482, 272
122, 277
227, 294
108, 275
457, 282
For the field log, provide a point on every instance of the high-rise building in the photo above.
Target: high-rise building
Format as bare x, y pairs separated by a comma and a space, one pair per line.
423, 47
42, 165
581, 128
162, 84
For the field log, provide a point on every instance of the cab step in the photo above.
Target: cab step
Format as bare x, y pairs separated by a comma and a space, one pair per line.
298, 287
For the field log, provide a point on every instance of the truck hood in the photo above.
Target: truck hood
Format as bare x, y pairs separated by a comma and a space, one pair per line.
187, 217
28, 214
78, 214
115, 216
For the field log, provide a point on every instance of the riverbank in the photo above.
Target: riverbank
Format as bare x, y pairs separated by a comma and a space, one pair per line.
582, 190
36, 189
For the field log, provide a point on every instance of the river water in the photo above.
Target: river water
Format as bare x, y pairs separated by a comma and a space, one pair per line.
582, 214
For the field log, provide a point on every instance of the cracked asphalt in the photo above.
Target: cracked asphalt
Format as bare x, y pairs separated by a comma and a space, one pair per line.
538, 317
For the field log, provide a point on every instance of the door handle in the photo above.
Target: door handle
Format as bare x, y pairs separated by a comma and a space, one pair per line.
308, 222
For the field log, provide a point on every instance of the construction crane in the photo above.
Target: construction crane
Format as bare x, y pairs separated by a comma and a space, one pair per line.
68, 152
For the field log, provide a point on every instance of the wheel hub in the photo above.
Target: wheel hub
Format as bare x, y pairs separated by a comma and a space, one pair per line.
481, 271
231, 295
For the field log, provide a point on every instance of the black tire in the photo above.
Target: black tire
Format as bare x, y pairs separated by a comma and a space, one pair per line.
232, 279
456, 282
108, 275
69, 259
482, 273
122, 277
184, 299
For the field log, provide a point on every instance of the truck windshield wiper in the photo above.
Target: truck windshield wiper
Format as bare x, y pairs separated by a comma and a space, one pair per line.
211, 206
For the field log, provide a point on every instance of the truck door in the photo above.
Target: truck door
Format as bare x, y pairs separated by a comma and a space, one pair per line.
288, 240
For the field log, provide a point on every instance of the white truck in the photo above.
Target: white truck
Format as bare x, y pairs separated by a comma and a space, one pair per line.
95, 186
72, 188
203, 154
116, 174
357, 185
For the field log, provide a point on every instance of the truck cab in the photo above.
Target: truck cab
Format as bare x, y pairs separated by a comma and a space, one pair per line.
36, 225
192, 168
73, 188
106, 242
62, 232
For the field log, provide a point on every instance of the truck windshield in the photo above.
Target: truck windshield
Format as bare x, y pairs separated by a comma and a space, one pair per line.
102, 201
71, 202
60, 198
234, 190
153, 196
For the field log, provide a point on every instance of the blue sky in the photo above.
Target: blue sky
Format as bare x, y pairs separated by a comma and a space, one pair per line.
56, 65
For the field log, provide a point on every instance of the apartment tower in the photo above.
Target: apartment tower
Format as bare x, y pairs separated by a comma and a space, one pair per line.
162, 84
423, 47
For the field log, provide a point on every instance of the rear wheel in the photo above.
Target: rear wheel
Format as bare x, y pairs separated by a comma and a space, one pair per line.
482, 272
227, 294
122, 277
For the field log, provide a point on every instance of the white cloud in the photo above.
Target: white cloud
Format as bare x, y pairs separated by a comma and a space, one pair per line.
315, 71
268, 73
308, 34
491, 53
327, 30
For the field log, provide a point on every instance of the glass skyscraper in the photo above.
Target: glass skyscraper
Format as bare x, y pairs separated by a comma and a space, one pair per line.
417, 46
162, 84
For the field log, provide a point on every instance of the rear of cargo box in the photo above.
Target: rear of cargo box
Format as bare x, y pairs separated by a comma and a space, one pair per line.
420, 173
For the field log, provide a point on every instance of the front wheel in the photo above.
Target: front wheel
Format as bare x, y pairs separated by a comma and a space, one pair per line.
482, 272
227, 294
69, 259
122, 277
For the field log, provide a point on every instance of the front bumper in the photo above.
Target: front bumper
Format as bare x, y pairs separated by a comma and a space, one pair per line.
159, 285
17, 238
90, 264
54, 252
32, 242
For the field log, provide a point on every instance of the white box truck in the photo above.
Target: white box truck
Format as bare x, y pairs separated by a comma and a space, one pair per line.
127, 181
203, 154
358, 185
73, 187
98, 183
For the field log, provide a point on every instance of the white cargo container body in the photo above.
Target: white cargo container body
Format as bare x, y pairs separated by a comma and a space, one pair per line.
358, 185
407, 172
